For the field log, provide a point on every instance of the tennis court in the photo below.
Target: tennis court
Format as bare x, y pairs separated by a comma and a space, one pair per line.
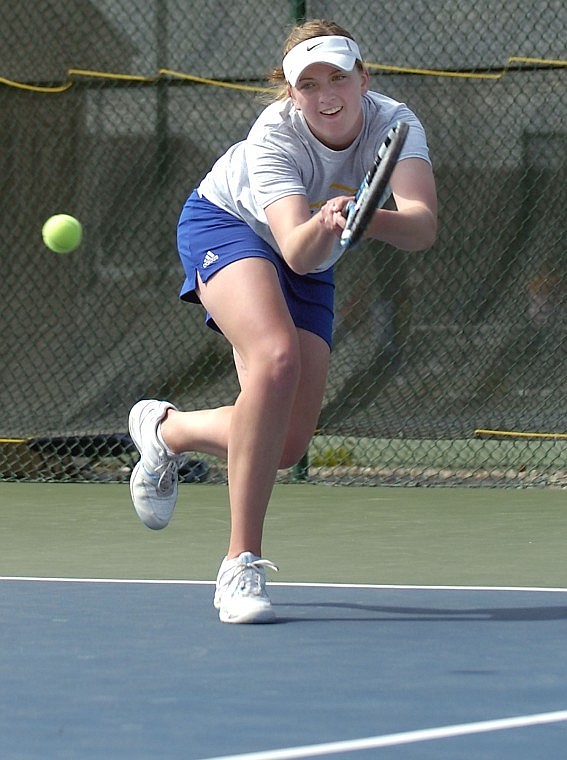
412, 623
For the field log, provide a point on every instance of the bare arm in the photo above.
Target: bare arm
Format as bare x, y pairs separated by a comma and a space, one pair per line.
413, 226
306, 240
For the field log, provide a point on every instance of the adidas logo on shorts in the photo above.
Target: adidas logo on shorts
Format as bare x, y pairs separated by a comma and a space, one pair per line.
209, 259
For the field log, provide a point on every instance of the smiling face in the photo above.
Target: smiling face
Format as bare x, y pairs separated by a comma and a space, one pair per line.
331, 102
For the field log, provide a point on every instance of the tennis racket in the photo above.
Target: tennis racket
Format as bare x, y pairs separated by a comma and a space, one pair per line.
369, 196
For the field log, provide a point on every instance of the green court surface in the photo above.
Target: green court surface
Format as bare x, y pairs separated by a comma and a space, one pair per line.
314, 533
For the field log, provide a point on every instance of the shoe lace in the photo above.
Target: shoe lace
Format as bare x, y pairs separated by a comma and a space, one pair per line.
252, 578
167, 473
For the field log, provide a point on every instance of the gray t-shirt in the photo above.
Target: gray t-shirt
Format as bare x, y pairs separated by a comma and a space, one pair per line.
281, 157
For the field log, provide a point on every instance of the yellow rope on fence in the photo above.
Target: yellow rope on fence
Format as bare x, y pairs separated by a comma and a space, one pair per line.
168, 73
34, 87
494, 75
516, 434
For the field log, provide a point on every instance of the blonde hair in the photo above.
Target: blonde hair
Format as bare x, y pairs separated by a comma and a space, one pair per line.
316, 27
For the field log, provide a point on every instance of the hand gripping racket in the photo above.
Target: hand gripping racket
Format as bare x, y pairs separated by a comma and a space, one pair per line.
369, 196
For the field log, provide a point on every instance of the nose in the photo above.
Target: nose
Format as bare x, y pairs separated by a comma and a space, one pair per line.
326, 93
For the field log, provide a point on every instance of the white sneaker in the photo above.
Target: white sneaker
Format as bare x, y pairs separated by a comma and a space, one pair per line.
240, 595
153, 483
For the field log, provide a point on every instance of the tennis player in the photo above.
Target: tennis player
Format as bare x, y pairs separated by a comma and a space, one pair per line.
258, 240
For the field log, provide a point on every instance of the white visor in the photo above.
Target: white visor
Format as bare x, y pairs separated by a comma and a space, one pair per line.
341, 52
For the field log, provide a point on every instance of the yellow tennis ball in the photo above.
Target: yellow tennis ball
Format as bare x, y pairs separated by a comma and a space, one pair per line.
62, 233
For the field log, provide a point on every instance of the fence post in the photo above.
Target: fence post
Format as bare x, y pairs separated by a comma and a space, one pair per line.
298, 10
301, 469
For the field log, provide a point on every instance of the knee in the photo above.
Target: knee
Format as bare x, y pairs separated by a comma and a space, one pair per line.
280, 365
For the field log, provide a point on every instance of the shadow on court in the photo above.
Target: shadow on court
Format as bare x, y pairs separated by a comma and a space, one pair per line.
381, 614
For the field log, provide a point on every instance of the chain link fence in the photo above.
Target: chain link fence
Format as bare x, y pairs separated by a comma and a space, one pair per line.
448, 367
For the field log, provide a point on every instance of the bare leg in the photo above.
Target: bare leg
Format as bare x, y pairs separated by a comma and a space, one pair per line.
254, 433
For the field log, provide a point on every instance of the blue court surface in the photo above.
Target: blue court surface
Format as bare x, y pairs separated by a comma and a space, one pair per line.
412, 623
94, 669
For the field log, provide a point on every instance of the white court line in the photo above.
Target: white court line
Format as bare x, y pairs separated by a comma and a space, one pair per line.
407, 737
150, 581
385, 586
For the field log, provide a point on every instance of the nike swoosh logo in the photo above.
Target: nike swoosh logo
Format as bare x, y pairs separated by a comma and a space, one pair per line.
317, 44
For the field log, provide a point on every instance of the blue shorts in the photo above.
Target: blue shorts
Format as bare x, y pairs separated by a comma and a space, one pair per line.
209, 238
